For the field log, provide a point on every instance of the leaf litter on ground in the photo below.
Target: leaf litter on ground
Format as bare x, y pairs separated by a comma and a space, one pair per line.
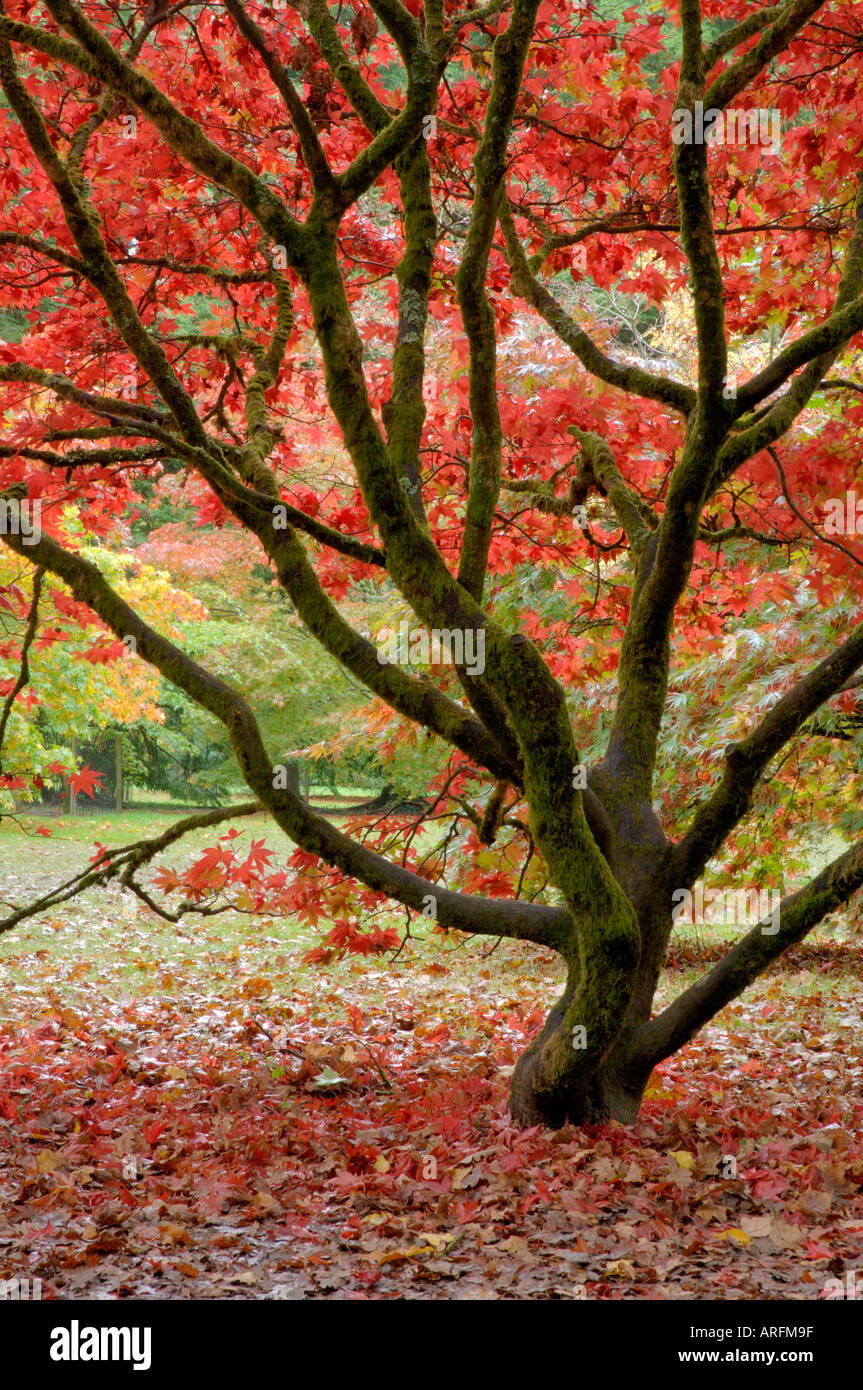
189, 1112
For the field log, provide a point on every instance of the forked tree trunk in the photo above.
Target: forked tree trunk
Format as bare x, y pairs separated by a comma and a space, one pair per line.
552, 1085
613, 1092
557, 1079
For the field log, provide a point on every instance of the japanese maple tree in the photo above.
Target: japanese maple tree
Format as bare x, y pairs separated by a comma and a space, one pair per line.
361, 271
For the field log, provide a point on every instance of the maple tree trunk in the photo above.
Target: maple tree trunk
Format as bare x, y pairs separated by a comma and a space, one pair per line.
611, 1092
559, 1078
578, 1091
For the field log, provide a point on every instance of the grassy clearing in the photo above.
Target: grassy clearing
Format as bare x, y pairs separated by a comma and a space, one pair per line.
106, 940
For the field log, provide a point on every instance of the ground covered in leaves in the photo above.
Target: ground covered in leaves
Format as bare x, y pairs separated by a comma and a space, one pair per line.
191, 1112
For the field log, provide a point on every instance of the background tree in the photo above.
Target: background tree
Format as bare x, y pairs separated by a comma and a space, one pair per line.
292, 250
81, 682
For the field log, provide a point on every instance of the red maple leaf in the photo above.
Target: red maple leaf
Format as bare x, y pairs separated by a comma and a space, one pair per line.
84, 781
102, 653
166, 879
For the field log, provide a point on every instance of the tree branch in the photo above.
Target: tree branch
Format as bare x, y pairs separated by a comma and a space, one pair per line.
792, 17
798, 914
817, 349
746, 761
313, 153
509, 55
97, 59
628, 507
23, 677
641, 383
732, 38
489, 917
125, 860
696, 221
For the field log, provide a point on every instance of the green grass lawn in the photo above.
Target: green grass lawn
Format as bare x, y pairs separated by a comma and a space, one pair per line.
107, 941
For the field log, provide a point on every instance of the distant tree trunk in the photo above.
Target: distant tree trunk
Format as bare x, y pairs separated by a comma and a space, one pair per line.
70, 801
118, 772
